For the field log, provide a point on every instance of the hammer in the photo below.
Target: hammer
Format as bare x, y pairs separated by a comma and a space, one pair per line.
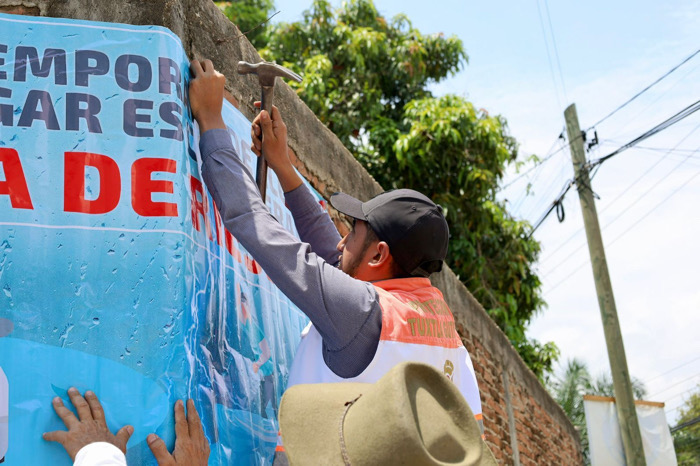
267, 73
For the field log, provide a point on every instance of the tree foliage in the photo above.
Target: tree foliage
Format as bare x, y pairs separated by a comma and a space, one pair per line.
572, 383
250, 16
368, 78
687, 440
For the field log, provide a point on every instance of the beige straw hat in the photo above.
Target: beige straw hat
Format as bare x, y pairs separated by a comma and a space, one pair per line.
413, 415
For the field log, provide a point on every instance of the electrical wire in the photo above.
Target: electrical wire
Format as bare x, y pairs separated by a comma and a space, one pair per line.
562, 244
626, 231
675, 385
671, 370
678, 165
660, 96
551, 189
555, 205
665, 149
686, 112
674, 192
549, 58
682, 393
645, 89
556, 49
592, 166
626, 210
539, 163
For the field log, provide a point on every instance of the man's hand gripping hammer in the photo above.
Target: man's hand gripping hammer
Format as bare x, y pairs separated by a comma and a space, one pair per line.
267, 73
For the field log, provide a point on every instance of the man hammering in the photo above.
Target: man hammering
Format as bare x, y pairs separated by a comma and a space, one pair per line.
367, 294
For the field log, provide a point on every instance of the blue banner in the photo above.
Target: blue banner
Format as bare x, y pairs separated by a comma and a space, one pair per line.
116, 274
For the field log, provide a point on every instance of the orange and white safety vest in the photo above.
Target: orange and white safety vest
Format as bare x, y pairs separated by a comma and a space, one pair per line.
417, 325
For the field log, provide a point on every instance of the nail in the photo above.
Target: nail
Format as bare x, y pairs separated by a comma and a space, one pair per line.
151, 438
89, 393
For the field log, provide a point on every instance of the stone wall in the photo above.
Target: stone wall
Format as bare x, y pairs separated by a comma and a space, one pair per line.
523, 424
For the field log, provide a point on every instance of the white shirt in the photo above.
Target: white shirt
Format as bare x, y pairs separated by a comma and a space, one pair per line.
100, 454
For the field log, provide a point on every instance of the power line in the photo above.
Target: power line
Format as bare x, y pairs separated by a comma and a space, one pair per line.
626, 210
551, 188
686, 112
654, 166
681, 393
655, 207
549, 58
674, 385
561, 245
671, 370
686, 424
644, 90
557, 204
658, 97
556, 50
626, 231
645, 192
549, 155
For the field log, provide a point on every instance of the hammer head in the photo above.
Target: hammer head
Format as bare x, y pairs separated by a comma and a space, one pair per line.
267, 72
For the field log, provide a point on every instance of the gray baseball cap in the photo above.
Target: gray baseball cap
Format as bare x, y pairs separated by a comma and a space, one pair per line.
410, 223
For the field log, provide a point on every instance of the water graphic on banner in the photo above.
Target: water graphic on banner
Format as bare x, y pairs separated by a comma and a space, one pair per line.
116, 274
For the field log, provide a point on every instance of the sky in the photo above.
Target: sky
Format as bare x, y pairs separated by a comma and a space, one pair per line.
528, 60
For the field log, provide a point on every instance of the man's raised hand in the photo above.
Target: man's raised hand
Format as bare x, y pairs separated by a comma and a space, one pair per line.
206, 95
269, 135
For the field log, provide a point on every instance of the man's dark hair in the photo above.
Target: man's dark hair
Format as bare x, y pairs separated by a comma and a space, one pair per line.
396, 270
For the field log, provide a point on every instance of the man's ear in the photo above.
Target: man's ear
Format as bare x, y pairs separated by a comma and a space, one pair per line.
382, 255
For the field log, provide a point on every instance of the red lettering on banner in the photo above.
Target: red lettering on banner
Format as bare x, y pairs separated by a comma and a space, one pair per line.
231, 246
229, 240
15, 184
143, 187
251, 265
218, 223
74, 183
200, 207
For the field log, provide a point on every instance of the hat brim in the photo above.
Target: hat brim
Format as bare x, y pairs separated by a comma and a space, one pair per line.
310, 417
348, 205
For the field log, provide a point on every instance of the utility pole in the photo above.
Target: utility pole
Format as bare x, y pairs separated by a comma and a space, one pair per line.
624, 399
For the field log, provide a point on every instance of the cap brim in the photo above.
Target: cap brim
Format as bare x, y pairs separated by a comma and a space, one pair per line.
348, 205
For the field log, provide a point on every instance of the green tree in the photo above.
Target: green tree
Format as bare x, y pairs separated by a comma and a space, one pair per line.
572, 383
250, 16
687, 439
367, 78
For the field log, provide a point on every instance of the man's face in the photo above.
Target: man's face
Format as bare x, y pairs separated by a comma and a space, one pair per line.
355, 250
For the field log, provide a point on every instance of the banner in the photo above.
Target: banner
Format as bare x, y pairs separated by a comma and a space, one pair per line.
605, 440
116, 274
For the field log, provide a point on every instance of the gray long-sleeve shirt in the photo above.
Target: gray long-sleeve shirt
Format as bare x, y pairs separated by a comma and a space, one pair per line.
345, 311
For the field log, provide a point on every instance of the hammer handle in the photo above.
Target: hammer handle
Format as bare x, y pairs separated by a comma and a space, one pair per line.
261, 169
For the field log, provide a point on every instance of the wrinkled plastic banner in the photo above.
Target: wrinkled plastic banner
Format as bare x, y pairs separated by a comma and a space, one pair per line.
116, 274
605, 439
